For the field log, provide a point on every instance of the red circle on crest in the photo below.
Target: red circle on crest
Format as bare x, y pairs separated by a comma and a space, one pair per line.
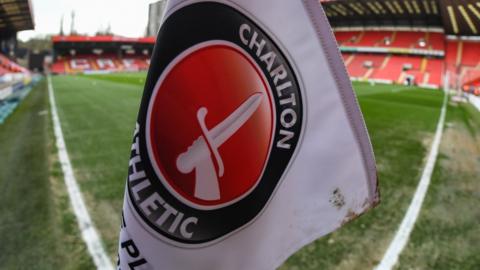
220, 78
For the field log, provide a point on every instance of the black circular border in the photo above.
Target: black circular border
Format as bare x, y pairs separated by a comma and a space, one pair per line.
187, 27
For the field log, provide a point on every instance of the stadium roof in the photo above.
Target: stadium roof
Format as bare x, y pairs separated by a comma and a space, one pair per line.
461, 17
456, 17
15, 15
85, 44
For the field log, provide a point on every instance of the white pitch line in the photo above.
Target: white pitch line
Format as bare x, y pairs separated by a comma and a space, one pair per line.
401, 237
87, 228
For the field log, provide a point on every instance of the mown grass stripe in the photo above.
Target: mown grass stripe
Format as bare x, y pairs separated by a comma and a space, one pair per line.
86, 226
403, 233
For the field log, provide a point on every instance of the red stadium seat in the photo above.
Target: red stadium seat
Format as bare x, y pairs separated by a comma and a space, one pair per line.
437, 41
8, 66
361, 64
93, 63
394, 68
470, 54
408, 40
375, 39
389, 39
435, 69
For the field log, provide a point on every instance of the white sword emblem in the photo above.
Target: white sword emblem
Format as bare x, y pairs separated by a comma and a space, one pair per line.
199, 155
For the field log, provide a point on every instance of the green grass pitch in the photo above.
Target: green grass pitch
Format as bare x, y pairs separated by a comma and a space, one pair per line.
98, 114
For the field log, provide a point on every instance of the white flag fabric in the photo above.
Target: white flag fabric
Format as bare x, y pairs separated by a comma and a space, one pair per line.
249, 143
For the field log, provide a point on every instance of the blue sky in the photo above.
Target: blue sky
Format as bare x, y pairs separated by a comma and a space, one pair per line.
126, 17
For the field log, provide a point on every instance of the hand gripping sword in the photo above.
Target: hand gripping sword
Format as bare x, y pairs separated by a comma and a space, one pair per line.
199, 155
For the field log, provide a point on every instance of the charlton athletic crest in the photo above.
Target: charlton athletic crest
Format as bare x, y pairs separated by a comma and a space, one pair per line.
219, 123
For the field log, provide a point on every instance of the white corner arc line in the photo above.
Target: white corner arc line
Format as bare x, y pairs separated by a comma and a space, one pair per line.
85, 224
400, 240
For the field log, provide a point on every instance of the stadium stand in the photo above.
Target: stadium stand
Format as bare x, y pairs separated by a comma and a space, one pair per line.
8, 66
409, 41
405, 42
470, 54
452, 58
393, 66
436, 41
431, 41
92, 63
15, 80
99, 54
388, 67
463, 61
360, 65
434, 70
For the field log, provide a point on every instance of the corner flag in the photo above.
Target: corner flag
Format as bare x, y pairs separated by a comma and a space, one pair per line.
249, 142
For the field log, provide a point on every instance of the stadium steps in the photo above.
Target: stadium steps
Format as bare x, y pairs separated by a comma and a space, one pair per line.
368, 73
67, 68
385, 62
463, 71
424, 64
93, 64
349, 60
118, 64
426, 78
459, 53
360, 37
401, 77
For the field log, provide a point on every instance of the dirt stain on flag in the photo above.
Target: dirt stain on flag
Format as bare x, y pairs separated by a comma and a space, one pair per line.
337, 199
